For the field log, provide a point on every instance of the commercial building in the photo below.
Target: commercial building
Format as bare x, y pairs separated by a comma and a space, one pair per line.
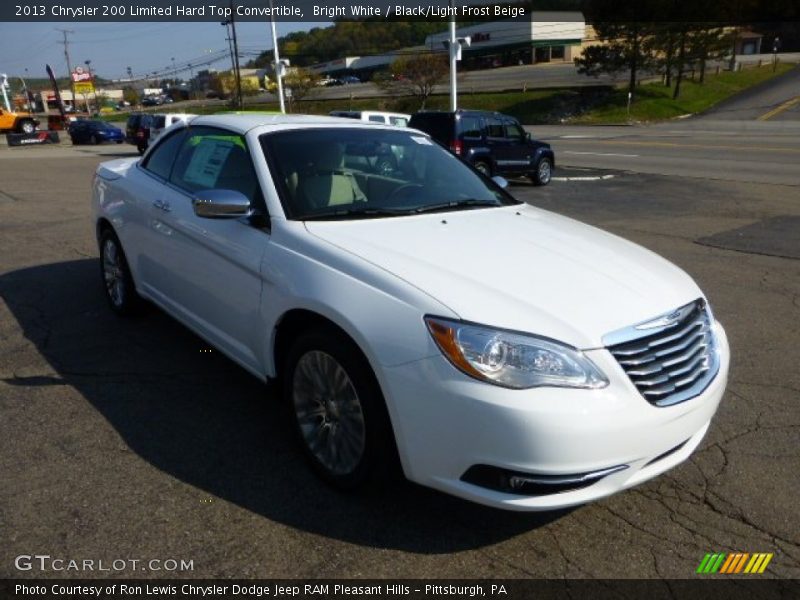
540, 38
543, 37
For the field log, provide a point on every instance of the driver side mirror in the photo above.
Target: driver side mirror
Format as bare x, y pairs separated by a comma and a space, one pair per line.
221, 204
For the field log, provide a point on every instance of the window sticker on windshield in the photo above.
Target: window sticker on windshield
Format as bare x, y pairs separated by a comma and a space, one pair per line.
422, 140
207, 162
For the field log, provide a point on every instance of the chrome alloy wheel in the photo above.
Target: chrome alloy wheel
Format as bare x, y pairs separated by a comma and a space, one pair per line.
545, 171
113, 273
329, 412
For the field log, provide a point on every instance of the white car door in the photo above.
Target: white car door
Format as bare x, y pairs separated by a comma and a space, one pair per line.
208, 272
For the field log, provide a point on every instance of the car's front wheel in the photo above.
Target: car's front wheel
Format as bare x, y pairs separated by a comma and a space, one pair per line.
337, 408
26, 126
543, 173
117, 279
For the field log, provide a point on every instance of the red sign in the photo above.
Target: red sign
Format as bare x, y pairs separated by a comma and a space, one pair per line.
81, 74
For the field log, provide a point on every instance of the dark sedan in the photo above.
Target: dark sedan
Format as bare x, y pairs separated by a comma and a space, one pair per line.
95, 132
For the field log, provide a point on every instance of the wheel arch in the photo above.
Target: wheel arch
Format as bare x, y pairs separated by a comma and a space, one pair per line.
298, 320
101, 226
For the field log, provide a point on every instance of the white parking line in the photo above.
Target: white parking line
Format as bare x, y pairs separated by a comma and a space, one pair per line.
593, 178
601, 154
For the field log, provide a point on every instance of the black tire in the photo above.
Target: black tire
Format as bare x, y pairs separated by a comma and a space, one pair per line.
543, 173
75, 141
483, 167
116, 276
327, 415
26, 126
95, 140
141, 149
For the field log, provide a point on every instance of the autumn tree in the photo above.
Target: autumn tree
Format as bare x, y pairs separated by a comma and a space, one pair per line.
415, 75
301, 81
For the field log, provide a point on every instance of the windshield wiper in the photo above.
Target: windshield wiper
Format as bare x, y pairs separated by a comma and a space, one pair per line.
350, 213
455, 205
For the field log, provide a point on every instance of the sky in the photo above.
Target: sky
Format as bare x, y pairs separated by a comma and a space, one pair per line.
145, 47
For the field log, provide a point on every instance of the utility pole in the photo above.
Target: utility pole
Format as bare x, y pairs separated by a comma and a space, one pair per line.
66, 33
229, 39
236, 61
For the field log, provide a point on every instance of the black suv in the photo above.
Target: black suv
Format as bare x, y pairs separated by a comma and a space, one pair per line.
493, 143
137, 130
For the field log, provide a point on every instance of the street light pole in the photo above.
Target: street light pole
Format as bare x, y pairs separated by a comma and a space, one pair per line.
88, 64
277, 58
236, 61
452, 48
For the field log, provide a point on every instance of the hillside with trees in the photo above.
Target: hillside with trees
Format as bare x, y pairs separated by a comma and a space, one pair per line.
349, 38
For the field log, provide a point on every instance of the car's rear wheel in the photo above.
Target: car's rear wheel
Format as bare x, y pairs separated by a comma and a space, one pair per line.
543, 173
337, 407
117, 280
483, 167
95, 139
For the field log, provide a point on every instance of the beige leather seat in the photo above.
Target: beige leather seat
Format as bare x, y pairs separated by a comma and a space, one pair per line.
326, 183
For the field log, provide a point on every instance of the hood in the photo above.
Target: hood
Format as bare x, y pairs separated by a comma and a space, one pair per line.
520, 268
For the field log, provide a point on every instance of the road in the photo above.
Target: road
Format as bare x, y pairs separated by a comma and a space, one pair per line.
765, 152
129, 439
775, 100
541, 76
753, 137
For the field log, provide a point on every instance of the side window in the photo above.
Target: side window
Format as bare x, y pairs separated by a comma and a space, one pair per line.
161, 159
514, 131
377, 119
471, 127
494, 128
213, 158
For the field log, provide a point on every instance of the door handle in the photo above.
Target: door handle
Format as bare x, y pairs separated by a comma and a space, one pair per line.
162, 205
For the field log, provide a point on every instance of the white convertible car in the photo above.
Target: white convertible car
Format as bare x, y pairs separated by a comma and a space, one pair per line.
414, 310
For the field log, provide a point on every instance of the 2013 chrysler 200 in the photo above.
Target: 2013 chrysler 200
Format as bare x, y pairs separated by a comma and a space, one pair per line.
412, 308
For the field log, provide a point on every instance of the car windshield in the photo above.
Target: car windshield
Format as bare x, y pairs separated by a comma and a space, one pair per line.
342, 173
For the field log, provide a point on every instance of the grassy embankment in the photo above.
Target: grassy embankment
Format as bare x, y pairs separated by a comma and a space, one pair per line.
590, 105
654, 102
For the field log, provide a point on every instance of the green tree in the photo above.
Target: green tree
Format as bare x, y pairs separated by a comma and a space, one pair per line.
622, 47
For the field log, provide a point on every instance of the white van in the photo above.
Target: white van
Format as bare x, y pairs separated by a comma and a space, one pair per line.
374, 116
160, 121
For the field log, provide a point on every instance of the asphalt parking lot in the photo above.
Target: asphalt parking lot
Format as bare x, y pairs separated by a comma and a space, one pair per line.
130, 439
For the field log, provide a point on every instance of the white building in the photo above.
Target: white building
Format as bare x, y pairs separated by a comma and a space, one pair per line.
545, 37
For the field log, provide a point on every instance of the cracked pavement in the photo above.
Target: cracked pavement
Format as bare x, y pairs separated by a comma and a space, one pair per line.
128, 439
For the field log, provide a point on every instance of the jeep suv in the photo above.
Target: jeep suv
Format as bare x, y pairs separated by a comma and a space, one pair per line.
493, 143
137, 130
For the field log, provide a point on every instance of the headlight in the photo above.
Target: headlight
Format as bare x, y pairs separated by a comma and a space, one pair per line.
513, 360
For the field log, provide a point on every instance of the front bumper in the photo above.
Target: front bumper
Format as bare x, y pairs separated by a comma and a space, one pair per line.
446, 422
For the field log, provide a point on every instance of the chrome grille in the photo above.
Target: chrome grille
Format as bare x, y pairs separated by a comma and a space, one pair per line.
671, 358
